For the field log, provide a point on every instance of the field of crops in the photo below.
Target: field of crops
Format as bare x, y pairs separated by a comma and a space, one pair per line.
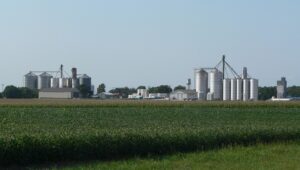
33, 132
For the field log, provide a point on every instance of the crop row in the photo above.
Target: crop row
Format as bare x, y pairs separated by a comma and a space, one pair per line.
53, 134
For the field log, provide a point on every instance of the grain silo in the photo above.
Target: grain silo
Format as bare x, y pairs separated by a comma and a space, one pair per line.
254, 89
31, 81
239, 89
233, 86
86, 81
246, 89
215, 84
201, 84
226, 89
54, 82
44, 81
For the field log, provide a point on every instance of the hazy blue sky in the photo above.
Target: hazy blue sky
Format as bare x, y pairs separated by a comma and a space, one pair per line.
149, 42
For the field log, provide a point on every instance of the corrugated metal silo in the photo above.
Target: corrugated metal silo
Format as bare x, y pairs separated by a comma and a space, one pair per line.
63, 82
254, 89
246, 89
226, 89
44, 81
201, 84
239, 89
31, 81
233, 89
215, 83
85, 80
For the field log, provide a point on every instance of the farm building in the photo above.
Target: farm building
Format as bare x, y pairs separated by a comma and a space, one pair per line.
58, 93
183, 95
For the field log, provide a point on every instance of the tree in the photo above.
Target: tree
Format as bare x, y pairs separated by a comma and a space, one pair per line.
101, 88
123, 91
28, 93
1, 95
294, 91
84, 91
160, 89
265, 93
179, 87
141, 87
12, 92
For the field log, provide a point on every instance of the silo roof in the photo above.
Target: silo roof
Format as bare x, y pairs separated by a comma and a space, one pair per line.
45, 75
85, 76
30, 74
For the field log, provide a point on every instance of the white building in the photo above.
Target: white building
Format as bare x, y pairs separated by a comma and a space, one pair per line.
58, 93
184, 95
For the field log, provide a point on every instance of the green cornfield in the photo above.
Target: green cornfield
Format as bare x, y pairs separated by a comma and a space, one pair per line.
49, 131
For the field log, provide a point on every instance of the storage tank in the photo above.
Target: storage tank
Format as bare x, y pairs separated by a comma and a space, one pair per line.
215, 83
69, 82
233, 86
63, 82
239, 89
246, 89
226, 89
85, 80
31, 81
201, 84
44, 81
54, 82
254, 89
75, 83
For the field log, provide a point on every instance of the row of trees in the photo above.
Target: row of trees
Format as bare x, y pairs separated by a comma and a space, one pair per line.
265, 93
18, 92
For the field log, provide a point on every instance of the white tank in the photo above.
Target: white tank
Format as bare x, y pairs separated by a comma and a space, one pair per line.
69, 83
44, 81
75, 83
226, 89
31, 81
233, 86
54, 82
254, 89
246, 89
201, 84
215, 83
63, 82
239, 89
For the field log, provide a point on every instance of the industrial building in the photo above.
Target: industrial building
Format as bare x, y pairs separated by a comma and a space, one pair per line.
214, 84
183, 95
282, 88
59, 93
53, 84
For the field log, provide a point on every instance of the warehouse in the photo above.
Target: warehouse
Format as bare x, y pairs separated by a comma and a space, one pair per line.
183, 95
58, 93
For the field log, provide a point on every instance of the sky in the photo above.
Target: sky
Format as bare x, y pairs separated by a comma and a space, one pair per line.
149, 42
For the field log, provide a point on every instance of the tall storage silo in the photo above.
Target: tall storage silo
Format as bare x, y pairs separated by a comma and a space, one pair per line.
215, 83
85, 80
239, 89
31, 81
246, 89
54, 82
63, 82
201, 83
233, 86
226, 89
69, 82
254, 89
44, 81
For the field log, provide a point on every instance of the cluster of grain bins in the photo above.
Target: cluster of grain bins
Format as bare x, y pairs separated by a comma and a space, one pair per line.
38, 80
211, 84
